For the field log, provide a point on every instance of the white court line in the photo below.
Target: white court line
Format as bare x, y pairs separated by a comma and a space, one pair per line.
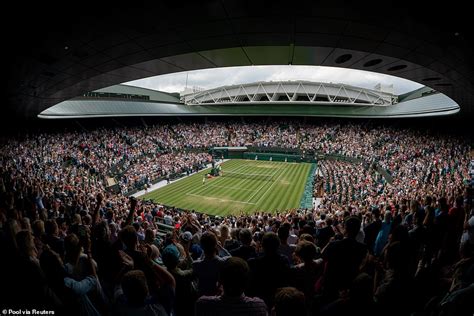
226, 187
200, 187
164, 183
258, 190
269, 188
215, 198
237, 188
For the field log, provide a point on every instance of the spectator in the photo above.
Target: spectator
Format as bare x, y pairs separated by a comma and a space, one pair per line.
233, 277
246, 250
343, 259
270, 271
207, 269
382, 236
186, 292
52, 238
289, 301
397, 285
133, 297
58, 180
284, 248
305, 274
372, 230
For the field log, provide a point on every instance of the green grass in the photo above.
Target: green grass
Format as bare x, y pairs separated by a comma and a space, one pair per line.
232, 195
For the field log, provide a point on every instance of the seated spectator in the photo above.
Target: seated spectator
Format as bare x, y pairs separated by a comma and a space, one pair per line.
234, 276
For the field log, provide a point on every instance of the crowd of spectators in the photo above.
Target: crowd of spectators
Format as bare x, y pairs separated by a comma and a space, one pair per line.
370, 247
148, 168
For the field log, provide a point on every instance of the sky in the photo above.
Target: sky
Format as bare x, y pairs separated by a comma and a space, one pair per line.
216, 77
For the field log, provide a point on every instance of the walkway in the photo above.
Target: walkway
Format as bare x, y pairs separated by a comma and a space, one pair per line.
164, 183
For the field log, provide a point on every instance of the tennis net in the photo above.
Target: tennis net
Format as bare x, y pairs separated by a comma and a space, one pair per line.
257, 176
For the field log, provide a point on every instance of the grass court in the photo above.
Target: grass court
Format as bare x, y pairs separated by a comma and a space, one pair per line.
246, 186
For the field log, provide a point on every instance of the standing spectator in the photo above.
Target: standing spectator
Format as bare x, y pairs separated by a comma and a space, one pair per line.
284, 248
372, 230
456, 218
81, 277
325, 232
440, 228
186, 293
305, 274
234, 277
288, 302
342, 259
207, 269
52, 238
270, 271
382, 236
246, 250
133, 297
396, 285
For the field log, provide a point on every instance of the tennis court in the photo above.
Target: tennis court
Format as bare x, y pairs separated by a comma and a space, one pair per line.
245, 186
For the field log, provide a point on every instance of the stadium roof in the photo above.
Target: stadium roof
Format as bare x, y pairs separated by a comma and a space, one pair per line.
158, 103
130, 90
67, 54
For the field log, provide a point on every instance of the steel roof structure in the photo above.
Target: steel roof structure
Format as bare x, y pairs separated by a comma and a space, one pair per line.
302, 92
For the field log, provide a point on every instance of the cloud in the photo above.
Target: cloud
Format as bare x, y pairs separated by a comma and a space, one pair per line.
216, 77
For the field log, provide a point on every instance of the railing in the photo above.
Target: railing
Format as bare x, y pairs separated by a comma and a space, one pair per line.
307, 198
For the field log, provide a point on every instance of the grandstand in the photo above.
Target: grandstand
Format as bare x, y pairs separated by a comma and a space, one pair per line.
301, 180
